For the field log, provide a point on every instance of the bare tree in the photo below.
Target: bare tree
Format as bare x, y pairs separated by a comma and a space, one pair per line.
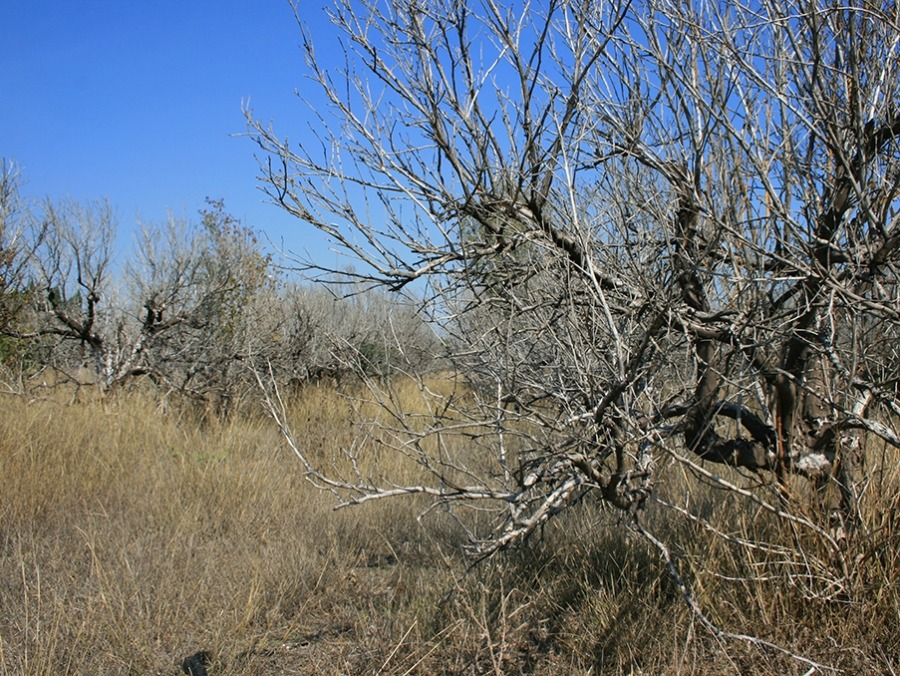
653, 230
19, 236
16, 244
190, 308
347, 330
203, 293
71, 267
182, 312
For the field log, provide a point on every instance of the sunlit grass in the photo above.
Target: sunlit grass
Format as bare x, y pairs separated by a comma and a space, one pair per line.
132, 535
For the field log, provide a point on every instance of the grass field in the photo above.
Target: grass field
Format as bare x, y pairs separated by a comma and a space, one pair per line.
133, 535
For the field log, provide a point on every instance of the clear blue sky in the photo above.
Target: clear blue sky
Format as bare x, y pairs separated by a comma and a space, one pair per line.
139, 102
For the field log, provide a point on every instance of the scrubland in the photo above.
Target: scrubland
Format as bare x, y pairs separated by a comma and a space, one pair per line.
133, 535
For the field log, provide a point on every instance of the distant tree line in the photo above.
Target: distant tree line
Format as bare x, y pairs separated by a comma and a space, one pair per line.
193, 308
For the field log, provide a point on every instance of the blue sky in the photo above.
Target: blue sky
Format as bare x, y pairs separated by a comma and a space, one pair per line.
139, 102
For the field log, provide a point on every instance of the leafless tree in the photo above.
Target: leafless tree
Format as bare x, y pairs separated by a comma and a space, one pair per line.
71, 268
181, 312
652, 230
203, 293
16, 243
344, 330
19, 236
189, 308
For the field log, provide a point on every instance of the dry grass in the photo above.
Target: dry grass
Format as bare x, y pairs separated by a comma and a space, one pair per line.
131, 537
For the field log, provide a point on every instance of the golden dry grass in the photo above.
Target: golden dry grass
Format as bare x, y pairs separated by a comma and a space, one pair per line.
132, 536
